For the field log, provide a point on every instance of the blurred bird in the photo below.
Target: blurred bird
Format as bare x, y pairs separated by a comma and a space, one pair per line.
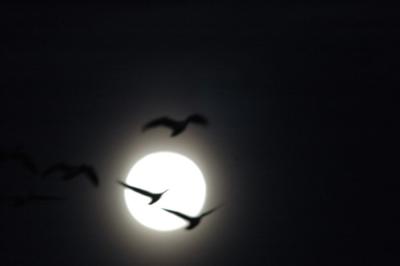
21, 157
154, 196
176, 126
70, 172
193, 221
19, 201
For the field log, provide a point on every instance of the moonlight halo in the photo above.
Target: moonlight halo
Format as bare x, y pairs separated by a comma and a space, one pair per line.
160, 171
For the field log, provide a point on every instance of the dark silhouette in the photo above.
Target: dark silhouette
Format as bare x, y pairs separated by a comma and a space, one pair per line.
193, 221
71, 172
25, 159
177, 127
154, 196
19, 201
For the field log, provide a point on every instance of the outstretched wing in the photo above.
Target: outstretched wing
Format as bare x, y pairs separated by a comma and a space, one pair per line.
181, 215
198, 119
162, 121
59, 167
210, 211
138, 190
90, 173
23, 158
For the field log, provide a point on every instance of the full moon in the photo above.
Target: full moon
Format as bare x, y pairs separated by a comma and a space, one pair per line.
160, 171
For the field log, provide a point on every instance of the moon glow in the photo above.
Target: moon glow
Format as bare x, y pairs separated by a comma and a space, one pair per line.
162, 171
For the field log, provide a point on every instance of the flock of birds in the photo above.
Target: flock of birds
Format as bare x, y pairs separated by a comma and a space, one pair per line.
69, 172
62, 170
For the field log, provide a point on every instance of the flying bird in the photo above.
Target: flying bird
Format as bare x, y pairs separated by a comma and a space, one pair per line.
176, 126
19, 201
71, 172
21, 157
154, 196
193, 221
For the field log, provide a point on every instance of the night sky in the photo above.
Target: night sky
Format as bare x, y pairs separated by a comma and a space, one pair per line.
300, 147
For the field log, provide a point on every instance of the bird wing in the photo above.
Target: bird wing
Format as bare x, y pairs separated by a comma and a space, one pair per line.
23, 158
59, 167
162, 121
197, 119
90, 173
210, 211
138, 190
30, 165
183, 216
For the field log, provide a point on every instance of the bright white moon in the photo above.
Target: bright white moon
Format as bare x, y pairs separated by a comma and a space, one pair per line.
156, 173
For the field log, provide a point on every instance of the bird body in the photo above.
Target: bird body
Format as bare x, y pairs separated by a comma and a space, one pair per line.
153, 196
176, 126
179, 127
193, 221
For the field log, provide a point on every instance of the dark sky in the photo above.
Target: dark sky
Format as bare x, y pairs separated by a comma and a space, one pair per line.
300, 147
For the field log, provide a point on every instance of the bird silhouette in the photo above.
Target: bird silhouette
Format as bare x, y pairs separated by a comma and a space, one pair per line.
21, 157
22, 200
176, 126
71, 172
154, 196
193, 221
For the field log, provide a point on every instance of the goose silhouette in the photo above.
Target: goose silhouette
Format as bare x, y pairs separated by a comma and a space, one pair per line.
177, 126
70, 172
153, 196
193, 221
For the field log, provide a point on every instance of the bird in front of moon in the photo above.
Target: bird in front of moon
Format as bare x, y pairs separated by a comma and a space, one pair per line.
160, 171
70, 172
177, 126
193, 221
153, 196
